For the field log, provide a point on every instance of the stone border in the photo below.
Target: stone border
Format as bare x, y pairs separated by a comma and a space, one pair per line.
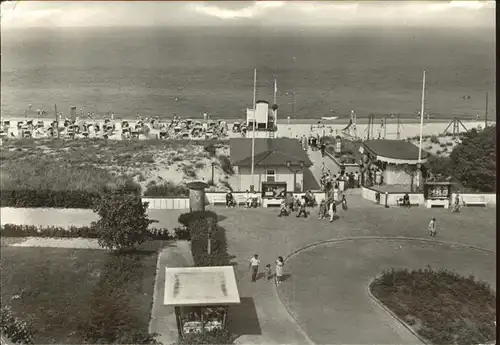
390, 238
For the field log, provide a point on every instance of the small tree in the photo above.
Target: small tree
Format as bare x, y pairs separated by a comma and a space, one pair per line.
123, 222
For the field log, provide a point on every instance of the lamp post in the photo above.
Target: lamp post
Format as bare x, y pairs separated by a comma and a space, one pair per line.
213, 167
209, 244
289, 166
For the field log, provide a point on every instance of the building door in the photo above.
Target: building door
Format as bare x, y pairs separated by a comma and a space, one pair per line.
270, 175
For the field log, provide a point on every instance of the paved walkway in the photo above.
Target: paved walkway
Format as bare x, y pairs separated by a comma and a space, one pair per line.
163, 322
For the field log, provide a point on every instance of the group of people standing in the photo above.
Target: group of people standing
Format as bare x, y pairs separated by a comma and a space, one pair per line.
278, 271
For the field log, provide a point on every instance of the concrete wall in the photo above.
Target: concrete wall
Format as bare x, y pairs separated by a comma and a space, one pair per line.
491, 198
392, 198
167, 203
282, 174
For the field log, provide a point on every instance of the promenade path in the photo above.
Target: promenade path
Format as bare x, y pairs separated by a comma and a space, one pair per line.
251, 231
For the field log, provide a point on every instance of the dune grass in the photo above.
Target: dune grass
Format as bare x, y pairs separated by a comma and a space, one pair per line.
90, 164
72, 296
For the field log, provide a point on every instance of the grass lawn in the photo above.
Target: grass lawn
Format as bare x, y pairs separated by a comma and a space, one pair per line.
79, 295
441, 306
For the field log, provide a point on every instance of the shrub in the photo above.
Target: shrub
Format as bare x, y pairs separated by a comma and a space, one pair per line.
186, 218
123, 222
451, 309
198, 224
189, 171
442, 145
438, 152
182, 233
216, 336
60, 198
14, 230
210, 148
14, 328
434, 139
225, 183
166, 189
225, 165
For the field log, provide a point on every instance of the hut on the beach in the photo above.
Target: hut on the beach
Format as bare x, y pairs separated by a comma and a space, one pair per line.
275, 161
396, 161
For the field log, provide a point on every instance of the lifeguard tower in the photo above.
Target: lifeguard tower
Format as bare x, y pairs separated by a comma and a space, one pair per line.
263, 116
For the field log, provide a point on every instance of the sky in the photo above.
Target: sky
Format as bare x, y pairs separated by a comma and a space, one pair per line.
60, 14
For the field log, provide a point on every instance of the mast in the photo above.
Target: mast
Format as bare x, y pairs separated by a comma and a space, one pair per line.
421, 128
486, 112
57, 120
253, 126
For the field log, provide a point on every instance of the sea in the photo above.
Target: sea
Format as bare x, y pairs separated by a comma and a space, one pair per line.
188, 71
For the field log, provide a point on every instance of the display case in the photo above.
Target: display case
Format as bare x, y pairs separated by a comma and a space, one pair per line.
437, 194
195, 319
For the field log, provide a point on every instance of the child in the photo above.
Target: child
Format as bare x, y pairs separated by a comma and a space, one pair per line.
269, 272
432, 227
322, 209
283, 209
344, 203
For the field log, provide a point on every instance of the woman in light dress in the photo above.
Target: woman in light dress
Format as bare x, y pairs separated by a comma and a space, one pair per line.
279, 269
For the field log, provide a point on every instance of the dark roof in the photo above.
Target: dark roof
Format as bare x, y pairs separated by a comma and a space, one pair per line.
267, 152
395, 149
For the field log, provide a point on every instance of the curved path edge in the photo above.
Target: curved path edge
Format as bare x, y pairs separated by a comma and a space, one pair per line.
390, 238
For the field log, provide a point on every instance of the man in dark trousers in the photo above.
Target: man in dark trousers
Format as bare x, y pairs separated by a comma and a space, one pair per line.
254, 266
302, 207
323, 147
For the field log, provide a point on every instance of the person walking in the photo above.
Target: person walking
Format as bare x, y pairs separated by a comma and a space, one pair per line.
254, 266
332, 209
279, 269
302, 207
432, 227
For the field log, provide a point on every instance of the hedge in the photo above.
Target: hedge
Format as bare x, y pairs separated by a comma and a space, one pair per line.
14, 230
197, 224
55, 198
166, 189
186, 218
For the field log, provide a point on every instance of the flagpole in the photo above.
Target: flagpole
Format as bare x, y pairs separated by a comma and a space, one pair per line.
276, 111
253, 125
421, 123
275, 90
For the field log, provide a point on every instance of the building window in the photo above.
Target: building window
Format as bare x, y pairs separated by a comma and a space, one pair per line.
270, 175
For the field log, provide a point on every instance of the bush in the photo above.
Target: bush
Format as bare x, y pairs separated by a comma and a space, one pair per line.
189, 171
182, 233
434, 139
198, 224
211, 149
14, 328
60, 198
450, 309
186, 218
225, 165
216, 336
14, 230
123, 222
167, 189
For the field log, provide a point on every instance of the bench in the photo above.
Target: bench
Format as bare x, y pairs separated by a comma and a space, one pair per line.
474, 200
414, 200
241, 200
271, 202
218, 199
